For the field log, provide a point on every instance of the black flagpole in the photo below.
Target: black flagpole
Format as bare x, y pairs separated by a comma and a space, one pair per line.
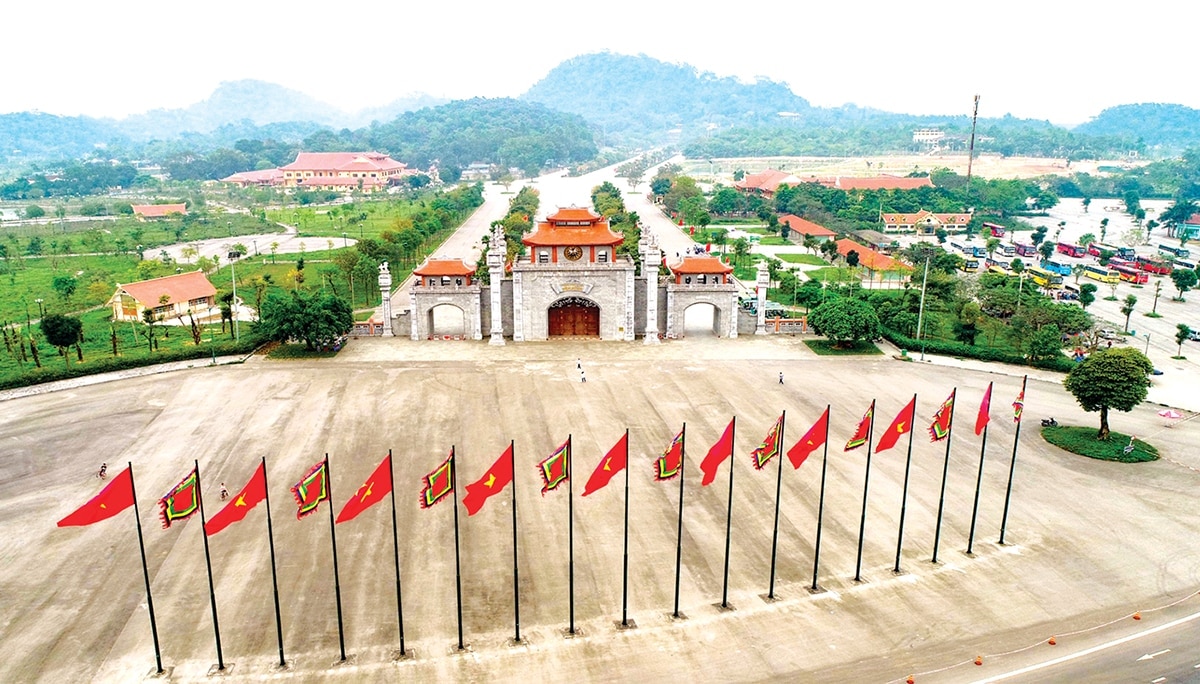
274, 578
729, 514
904, 495
978, 483
396, 553
679, 535
337, 583
862, 524
516, 573
778, 488
937, 535
457, 567
570, 537
625, 552
145, 574
1012, 467
821, 503
212, 594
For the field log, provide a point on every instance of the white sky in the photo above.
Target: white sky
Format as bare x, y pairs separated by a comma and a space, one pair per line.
1061, 61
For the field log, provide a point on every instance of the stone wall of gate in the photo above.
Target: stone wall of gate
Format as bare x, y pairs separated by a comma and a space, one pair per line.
537, 286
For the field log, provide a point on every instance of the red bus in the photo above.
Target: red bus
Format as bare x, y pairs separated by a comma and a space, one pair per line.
1130, 274
1151, 264
1026, 250
1071, 250
997, 230
1117, 262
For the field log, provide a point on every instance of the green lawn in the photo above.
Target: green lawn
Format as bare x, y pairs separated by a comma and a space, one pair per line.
1082, 441
776, 241
807, 259
831, 275
826, 348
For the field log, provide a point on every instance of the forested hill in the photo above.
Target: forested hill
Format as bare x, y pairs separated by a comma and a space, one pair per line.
1157, 125
638, 98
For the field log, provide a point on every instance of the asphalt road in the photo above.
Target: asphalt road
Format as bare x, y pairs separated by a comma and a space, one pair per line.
1089, 542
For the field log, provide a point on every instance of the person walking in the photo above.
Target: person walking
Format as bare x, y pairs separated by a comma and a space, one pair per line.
103, 471
224, 492
781, 377
582, 377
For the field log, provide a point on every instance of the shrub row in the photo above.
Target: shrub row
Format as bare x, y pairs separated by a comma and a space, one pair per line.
53, 368
958, 349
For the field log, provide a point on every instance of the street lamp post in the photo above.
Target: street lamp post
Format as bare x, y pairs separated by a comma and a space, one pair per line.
344, 243
921, 308
41, 309
1147, 344
233, 255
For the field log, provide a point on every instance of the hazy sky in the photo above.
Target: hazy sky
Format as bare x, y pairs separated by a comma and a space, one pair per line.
1062, 61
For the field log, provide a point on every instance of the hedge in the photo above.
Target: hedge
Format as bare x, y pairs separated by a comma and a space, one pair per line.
958, 349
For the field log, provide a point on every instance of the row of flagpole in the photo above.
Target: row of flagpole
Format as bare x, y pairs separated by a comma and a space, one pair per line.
185, 499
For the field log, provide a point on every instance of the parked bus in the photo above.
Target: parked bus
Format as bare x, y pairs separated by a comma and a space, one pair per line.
1044, 278
1118, 261
1130, 274
1189, 265
1097, 249
969, 265
1008, 250
1101, 273
1070, 249
998, 270
1026, 250
1174, 252
996, 263
1056, 267
1152, 264
997, 230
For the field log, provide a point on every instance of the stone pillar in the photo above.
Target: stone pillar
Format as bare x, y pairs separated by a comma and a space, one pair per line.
651, 258
518, 309
630, 298
763, 282
385, 294
497, 251
414, 316
733, 317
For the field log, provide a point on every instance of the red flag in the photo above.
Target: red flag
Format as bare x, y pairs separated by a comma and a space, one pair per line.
311, 490
770, 447
720, 451
613, 463
901, 425
438, 483
943, 419
254, 492
982, 419
859, 437
114, 498
815, 437
1019, 406
670, 463
182, 501
372, 492
495, 479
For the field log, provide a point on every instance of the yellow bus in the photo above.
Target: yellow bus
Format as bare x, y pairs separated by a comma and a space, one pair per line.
1044, 278
1101, 273
968, 265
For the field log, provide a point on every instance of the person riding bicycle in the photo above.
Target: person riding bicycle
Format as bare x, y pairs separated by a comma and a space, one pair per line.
103, 471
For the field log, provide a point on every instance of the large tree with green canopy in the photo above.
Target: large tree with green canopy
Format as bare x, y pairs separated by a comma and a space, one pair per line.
1110, 379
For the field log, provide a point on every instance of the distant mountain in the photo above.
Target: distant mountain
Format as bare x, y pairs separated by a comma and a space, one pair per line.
384, 113
1157, 125
33, 135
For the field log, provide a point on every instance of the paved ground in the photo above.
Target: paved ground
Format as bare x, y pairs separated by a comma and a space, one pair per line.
1089, 542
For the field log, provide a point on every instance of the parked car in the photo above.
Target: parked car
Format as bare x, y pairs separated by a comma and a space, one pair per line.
1194, 335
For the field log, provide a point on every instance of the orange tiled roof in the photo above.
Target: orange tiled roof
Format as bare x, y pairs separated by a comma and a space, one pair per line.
444, 267
158, 210
767, 181
180, 288
868, 257
692, 265
343, 161
263, 176
348, 181
1192, 220
805, 227
920, 216
573, 226
879, 183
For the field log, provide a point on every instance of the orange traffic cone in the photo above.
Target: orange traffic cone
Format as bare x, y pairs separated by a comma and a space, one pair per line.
1052, 641
978, 660
910, 680
1137, 615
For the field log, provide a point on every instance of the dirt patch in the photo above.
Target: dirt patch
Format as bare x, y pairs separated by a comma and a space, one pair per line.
984, 166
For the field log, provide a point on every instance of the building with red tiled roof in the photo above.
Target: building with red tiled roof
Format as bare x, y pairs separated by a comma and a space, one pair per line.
925, 222
168, 297
145, 211
372, 170
701, 270
765, 183
444, 272
573, 234
876, 183
247, 179
806, 227
869, 258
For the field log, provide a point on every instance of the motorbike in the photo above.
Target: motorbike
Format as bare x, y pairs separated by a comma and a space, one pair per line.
1049, 422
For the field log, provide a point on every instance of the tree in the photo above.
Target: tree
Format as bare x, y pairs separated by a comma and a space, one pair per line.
1157, 293
1184, 279
1039, 235
1046, 249
1127, 309
65, 286
33, 211
852, 258
316, 319
1086, 239
1045, 343
660, 185
1182, 333
62, 332
1087, 295
1110, 379
741, 249
845, 321
941, 235
1078, 270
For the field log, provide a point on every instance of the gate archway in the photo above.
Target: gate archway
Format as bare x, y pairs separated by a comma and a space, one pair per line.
573, 317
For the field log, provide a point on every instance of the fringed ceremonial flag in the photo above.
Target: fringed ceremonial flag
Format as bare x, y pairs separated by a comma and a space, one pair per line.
311, 490
668, 466
254, 492
439, 483
859, 437
814, 438
1019, 406
114, 498
612, 463
982, 419
901, 425
555, 470
182, 501
720, 451
940, 428
493, 481
770, 447
377, 486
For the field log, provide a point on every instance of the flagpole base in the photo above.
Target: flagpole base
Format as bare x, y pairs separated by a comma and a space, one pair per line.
409, 654
727, 608
677, 617
285, 667
216, 671
568, 634
819, 590
629, 624
513, 643
351, 659
165, 673
767, 598
466, 648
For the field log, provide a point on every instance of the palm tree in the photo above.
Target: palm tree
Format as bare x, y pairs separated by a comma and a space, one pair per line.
1127, 309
